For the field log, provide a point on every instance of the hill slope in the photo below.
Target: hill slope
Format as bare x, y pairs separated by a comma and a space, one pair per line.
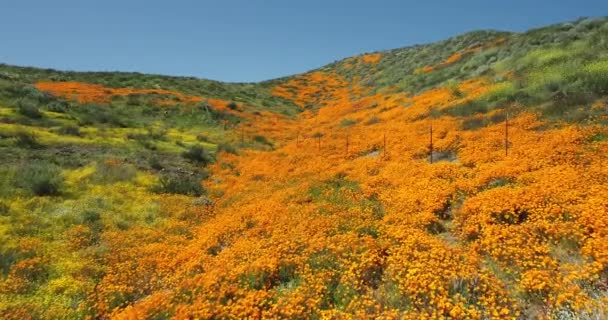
462, 179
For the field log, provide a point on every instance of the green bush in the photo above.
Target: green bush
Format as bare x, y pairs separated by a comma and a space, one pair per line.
4, 208
178, 183
220, 115
26, 139
57, 106
473, 123
41, 179
111, 171
466, 109
91, 114
347, 122
372, 120
596, 76
226, 147
70, 130
155, 163
452, 85
202, 138
232, 106
145, 139
198, 154
133, 99
263, 140
29, 108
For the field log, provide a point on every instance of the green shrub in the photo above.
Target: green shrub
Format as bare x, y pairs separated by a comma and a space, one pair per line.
498, 117
198, 154
232, 106
29, 108
466, 109
473, 123
598, 137
144, 139
41, 179
155, 163
220, 115
226, 147
452, 85
70, 130
133, 99
58, 106
596, 76
263, 140
4, 208
92, 114
202, 138
177, 183
347, 122
372, 120
112, 171
157, 134
26, 139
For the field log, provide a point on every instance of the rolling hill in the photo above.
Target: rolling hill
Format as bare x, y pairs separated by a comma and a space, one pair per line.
462, 179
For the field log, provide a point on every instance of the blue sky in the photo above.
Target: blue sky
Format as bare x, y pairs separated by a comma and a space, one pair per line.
240, 40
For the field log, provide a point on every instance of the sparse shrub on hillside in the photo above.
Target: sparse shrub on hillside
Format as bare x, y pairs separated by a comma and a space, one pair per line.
347, 122
70, 130
148, 139
226, 147
91, 114
263, 140
157, 133
473, 123
198, 154
26, 139
220, 115
176, 183
467, 109
202, 138
155, 163
598, 137
29, 108
503, 94
454, 89
113, 170
497, 117
372, 120
58, 106
134, 99
596, 77
232, 106
40, 178
143, 139
4, 208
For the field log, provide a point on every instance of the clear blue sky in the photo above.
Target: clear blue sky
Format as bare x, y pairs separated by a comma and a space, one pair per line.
247, 40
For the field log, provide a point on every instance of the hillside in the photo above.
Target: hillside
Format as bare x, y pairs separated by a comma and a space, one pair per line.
462, 179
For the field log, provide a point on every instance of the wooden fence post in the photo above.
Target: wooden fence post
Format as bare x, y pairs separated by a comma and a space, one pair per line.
431, 144
347, 144
384, 147
507, 134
